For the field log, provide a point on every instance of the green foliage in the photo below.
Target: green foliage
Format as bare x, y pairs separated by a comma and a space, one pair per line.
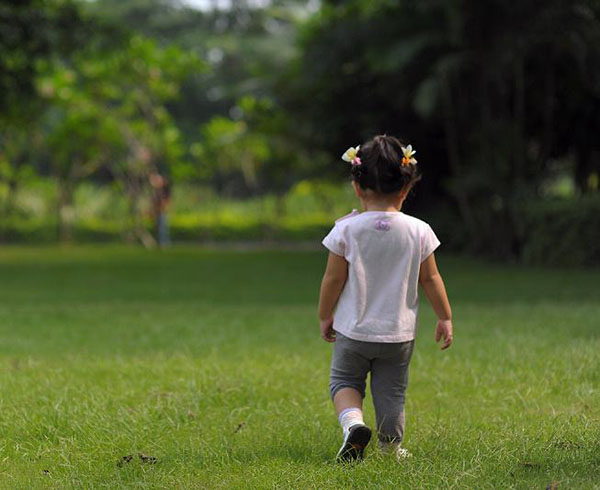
245, 48
489, 95
563, 231
229, 145
118, 97
17, 143
257, 145
501, 100
552, 231
32, 31
107, 109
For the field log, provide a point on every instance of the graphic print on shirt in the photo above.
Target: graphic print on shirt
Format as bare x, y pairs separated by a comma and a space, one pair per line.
382, 225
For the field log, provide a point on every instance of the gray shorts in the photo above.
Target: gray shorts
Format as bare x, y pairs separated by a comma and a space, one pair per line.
388, 364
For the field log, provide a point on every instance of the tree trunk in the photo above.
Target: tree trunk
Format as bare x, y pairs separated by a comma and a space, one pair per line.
280, 208
138, 230
9, 202
451, 134
65, 209
516, 226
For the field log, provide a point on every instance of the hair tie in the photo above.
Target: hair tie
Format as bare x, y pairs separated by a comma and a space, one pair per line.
351, 156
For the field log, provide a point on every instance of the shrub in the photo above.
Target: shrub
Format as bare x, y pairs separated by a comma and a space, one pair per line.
562, 232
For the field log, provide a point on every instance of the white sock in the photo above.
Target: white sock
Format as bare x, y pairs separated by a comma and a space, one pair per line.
350, 417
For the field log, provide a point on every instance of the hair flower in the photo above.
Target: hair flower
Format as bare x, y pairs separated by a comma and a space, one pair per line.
350, 155
408, 159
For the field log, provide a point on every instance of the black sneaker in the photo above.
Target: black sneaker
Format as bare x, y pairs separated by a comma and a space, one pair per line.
355, 442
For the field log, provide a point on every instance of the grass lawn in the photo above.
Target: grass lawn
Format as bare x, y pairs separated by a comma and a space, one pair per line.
210, 362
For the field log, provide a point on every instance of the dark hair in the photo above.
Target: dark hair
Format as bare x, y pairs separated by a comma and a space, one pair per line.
381, 167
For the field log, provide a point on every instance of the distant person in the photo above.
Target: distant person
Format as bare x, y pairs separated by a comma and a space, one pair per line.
161, 198
377, 260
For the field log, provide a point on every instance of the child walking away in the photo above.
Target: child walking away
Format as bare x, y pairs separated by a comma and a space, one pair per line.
369, 299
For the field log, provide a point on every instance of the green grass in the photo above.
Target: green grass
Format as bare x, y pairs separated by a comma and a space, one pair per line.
210, 361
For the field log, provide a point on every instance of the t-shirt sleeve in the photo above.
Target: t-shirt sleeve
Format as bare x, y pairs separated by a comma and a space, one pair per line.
429, 242
334, 241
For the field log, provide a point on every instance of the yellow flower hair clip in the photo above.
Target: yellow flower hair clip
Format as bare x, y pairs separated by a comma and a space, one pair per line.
351, 156
408, 159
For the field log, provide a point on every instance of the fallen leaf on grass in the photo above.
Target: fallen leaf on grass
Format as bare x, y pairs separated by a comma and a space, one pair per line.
147, 459
191, 414
240, 426
568, 445
552, 486
124, 459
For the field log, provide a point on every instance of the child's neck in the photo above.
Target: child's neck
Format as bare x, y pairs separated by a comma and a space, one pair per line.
382, 206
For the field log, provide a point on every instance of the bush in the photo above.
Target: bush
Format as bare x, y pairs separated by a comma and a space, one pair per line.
28, 231
563, 232
229, 227
555, 231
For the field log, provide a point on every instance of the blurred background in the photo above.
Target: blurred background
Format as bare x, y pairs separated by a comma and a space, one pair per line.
152, 121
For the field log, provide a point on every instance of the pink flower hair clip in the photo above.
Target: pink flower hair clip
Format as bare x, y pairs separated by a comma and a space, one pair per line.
351, 156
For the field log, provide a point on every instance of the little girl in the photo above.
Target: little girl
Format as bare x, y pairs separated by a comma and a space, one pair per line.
377, 260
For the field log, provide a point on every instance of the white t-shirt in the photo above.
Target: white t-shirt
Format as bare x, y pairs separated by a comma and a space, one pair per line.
384, 250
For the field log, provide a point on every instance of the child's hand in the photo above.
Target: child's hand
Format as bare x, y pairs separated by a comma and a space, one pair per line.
327, 331
444, 329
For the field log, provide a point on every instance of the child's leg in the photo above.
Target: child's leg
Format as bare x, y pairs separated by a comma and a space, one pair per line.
349, 368
348, 406
389, 379
346, 398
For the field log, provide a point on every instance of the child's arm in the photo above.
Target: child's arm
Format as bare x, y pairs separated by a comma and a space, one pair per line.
433, 285
332, 285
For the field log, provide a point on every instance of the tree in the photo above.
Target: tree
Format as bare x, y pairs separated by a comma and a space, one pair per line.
490, 93
18, 141
107, 109
30, 31
246, 48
